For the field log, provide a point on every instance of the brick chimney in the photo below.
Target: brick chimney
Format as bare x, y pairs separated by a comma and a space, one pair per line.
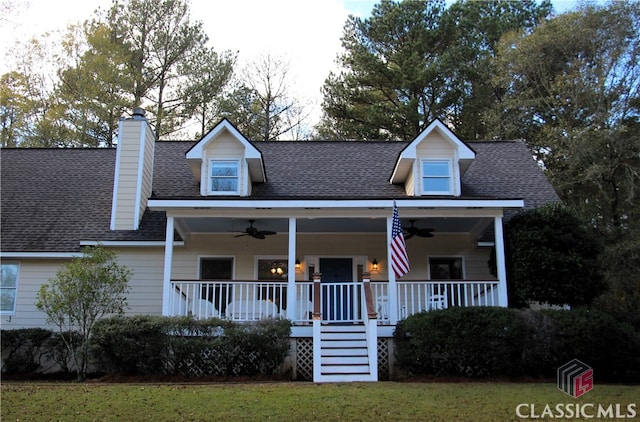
134, 171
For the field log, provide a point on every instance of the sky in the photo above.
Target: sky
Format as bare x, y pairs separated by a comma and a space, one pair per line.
306, 33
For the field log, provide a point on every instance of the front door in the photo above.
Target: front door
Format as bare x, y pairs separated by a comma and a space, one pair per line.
339, 293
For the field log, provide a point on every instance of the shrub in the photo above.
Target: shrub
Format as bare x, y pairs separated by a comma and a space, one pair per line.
129, 345
611, 347
182, 345
24, 348
481, 342
474, 342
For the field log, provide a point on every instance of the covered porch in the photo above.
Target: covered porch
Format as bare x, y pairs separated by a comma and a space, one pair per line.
326, 268
244, 263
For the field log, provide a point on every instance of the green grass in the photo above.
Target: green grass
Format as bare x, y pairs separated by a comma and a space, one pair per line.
288, 401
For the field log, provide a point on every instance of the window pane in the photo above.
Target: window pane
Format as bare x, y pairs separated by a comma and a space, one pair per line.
224, 168
445, 268
224, 185
8, 286
216, 268
436, 169
436, 184
9, 275
272, 269
7, 300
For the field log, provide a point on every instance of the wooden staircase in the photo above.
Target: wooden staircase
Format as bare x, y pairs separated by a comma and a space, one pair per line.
344, 355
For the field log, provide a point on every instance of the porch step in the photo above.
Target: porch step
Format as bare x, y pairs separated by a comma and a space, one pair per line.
344, 355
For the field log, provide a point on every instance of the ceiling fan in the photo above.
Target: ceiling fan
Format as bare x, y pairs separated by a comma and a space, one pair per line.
253, 232
415, 231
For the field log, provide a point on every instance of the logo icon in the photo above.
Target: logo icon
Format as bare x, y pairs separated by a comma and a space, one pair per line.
575, 378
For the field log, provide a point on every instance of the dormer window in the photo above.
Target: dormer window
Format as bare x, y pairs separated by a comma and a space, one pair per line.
224, 177
436, 177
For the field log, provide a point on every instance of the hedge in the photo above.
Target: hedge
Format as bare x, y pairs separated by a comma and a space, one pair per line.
148, 345
152, 345
499, 342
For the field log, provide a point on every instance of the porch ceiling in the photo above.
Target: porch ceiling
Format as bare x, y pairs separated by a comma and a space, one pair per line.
332, 225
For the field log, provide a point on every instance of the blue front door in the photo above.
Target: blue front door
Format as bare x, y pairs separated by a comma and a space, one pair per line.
337, 289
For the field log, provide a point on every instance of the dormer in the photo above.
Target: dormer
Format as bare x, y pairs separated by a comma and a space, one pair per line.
433, 163
225, 162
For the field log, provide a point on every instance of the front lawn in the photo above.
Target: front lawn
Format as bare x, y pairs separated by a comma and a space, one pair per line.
291, 401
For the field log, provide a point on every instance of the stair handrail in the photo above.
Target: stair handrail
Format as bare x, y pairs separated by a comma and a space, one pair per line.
368, 297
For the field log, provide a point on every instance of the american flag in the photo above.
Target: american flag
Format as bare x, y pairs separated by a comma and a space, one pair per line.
399, 257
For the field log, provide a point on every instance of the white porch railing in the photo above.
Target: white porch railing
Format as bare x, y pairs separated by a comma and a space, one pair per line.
339, 302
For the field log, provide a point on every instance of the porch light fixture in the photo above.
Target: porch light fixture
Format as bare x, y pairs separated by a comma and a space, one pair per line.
276, 268
374, 264
297, 265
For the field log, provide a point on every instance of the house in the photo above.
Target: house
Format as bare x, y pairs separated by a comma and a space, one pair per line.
247, 230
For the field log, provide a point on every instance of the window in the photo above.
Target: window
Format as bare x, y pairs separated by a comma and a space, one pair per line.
217, 271
224, 177
272, 269
8, 289
436, 177
445, 268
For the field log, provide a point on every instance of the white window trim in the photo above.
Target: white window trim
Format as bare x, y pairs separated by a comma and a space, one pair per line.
449, 162
15, 298
462, 257
239, 177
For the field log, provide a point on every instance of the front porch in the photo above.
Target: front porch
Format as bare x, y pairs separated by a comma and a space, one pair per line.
327, 270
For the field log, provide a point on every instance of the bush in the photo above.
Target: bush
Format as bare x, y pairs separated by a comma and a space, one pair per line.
491, 342
473, 342
149, 345
24, 349
611, 347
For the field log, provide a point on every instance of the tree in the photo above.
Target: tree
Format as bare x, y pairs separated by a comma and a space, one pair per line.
85, 290
161, 37
571, 89
210, 74
414, 61
14, 109
552, 257
95, 89
277, 113
32, 90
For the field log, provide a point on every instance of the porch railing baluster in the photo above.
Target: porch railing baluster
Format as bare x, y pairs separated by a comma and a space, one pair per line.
338, 302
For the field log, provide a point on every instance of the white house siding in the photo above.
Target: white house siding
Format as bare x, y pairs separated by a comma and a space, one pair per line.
145, 286
33, 273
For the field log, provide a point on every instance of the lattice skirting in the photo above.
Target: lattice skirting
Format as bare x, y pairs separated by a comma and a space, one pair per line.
304, 359
383, 359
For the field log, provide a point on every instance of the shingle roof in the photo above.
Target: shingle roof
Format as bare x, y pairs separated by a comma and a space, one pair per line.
51, 199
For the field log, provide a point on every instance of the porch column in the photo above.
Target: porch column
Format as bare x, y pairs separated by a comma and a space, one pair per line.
291, 265
168, 259
392, 292
503, 299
